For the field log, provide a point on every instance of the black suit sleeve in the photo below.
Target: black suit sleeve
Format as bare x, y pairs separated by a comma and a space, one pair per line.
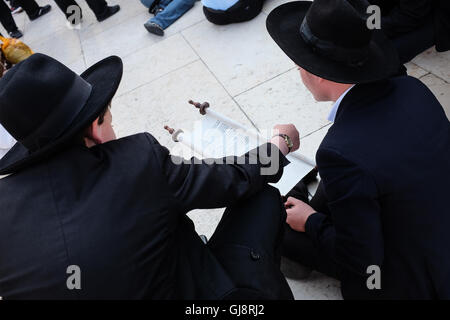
217, 183
405, 17
352, 236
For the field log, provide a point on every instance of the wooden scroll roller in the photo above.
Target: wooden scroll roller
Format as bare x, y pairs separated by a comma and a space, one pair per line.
202, 106
174, 133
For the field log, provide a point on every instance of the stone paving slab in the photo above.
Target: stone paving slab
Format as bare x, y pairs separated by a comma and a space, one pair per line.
241, 56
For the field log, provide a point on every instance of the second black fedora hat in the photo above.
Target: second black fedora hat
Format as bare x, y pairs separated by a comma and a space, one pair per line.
44, 105
331, 39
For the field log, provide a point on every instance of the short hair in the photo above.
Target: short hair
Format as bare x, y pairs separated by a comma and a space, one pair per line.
101, 117
79, 137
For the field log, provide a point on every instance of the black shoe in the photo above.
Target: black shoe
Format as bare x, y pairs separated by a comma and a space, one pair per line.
110, 11
42, 11
16, 34
154, 28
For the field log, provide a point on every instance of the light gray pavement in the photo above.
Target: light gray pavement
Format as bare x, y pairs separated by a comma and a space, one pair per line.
237, 68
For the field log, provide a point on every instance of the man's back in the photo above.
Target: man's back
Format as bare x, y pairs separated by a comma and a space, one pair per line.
385, 165
105, 210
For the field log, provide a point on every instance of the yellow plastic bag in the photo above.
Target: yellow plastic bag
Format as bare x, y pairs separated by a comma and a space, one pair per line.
15, 50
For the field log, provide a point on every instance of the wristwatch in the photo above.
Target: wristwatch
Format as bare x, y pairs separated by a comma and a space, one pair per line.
287, 139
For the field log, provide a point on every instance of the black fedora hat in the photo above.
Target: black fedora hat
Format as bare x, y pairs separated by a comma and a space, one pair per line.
331, 39
44, 105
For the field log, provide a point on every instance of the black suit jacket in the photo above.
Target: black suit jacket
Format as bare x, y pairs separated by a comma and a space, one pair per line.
118, 212
403, 16
385, 167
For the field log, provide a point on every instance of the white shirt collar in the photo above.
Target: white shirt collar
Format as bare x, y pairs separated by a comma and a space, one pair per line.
334, 110
6, 141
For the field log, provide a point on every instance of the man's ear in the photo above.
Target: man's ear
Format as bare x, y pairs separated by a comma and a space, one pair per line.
92, 136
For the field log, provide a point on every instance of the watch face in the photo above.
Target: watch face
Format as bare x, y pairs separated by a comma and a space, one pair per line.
289, 142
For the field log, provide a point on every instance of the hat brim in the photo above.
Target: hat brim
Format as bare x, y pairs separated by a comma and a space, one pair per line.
104, 77
283, 24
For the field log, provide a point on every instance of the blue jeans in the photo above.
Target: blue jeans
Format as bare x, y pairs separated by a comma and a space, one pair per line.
173, 9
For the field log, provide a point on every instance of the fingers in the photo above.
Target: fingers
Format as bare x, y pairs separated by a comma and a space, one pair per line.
290, 217
289, 212
291, 202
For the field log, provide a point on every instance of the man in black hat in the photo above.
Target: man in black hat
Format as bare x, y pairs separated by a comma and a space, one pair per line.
86, 216
384, 163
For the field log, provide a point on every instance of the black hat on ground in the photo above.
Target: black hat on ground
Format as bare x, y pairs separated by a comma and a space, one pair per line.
44, 105
331, 39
